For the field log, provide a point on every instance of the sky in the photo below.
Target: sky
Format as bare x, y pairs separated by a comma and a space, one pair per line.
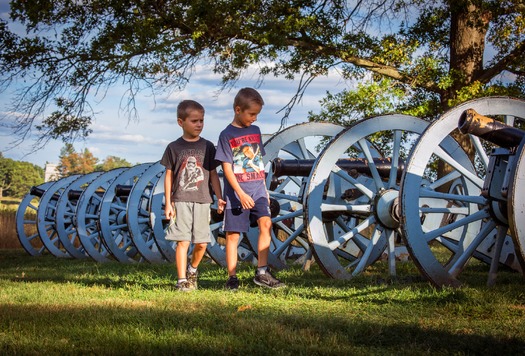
144, 140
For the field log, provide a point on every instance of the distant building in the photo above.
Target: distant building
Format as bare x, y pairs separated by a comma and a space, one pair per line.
51, 172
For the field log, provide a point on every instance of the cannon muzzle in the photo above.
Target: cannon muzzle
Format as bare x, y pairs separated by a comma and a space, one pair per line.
303, 167
489, 129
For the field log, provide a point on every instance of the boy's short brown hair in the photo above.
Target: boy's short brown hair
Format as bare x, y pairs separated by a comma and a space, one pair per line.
185, 106
245, 97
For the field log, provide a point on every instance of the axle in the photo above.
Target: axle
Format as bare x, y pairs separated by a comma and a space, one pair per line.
303, 167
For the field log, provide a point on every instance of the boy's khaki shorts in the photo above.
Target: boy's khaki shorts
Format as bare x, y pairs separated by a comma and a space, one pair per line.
192, 223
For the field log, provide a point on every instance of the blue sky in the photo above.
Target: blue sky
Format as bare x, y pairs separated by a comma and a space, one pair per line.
145, 139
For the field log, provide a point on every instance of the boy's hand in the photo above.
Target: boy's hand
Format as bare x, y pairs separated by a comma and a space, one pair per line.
246, 201
169, 212
221, 204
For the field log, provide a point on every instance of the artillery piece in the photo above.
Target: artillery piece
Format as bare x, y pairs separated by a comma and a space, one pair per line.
340, 200
470, 227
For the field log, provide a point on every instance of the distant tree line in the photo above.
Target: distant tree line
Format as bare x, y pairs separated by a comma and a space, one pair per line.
17, 177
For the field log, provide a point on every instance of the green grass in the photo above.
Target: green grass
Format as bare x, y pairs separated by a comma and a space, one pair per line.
54, 306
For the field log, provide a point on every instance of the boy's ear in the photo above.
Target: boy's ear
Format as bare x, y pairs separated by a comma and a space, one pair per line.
179, 121
237, 109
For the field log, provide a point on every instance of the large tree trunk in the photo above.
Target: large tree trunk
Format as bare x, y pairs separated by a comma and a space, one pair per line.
469, 25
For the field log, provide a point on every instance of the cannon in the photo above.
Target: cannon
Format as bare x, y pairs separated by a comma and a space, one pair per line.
469, 231
337, 199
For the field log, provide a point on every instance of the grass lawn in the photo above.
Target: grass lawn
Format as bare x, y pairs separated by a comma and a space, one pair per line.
58, 307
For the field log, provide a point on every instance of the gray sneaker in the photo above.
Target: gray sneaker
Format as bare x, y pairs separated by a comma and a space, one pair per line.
268, 281
192, 278
185, 286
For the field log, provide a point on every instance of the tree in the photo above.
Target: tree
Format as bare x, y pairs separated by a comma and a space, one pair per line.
421, 57
112, 162
17, 178
72, 162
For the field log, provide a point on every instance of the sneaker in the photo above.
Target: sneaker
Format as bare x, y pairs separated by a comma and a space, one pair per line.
185, 286
232, 283
192, 278
268, 281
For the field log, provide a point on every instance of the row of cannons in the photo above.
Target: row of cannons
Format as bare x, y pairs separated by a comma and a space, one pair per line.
343, 197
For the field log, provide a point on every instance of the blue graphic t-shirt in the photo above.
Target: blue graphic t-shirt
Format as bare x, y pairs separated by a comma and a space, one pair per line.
243, 149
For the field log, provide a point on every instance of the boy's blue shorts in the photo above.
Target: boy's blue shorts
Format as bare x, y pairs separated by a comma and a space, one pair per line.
239, 219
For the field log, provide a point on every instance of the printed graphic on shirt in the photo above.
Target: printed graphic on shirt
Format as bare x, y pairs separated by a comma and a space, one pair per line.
247, 159
191, 175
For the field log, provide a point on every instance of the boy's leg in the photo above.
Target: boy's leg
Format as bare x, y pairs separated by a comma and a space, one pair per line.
263, 246
232, 241
181, 258
263, 277
199, 249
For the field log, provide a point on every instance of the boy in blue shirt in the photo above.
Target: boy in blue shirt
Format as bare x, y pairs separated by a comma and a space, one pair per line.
240, 150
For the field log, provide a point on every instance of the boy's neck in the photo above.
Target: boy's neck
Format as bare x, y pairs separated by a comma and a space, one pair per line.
190, 138
235, 123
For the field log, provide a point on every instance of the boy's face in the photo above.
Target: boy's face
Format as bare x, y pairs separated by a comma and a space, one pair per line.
192, 126
245, 118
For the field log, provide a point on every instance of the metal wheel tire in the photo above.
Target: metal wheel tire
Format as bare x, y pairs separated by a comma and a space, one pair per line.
516, 203
47, 217
138, 214
113, 216
87, 214
26, 220
289, 244
66, 215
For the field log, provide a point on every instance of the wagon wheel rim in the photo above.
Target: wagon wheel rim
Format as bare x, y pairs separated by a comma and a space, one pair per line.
138, 214
516, 203
113, 215
26, 221
340, 244
66, 215
47, 217
289, 244
440, 258
88, 216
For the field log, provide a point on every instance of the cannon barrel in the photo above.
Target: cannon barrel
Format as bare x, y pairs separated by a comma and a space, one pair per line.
489, 129
122, 190
36, 191
303, 167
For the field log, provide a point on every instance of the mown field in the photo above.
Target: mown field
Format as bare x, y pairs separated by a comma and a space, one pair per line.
57, 306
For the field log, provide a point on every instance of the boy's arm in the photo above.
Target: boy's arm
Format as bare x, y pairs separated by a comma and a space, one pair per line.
246, 200
168, 181
216, 185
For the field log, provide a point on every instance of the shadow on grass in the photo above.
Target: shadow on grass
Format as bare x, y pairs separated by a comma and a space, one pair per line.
216, 328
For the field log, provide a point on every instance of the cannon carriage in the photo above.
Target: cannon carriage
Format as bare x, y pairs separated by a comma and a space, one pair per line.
341, 201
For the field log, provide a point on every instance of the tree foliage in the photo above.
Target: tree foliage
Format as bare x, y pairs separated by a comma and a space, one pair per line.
72, 162
16, 177
412, 56
112, 162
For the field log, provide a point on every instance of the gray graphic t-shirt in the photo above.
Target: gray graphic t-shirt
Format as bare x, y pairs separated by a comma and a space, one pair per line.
190, 163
